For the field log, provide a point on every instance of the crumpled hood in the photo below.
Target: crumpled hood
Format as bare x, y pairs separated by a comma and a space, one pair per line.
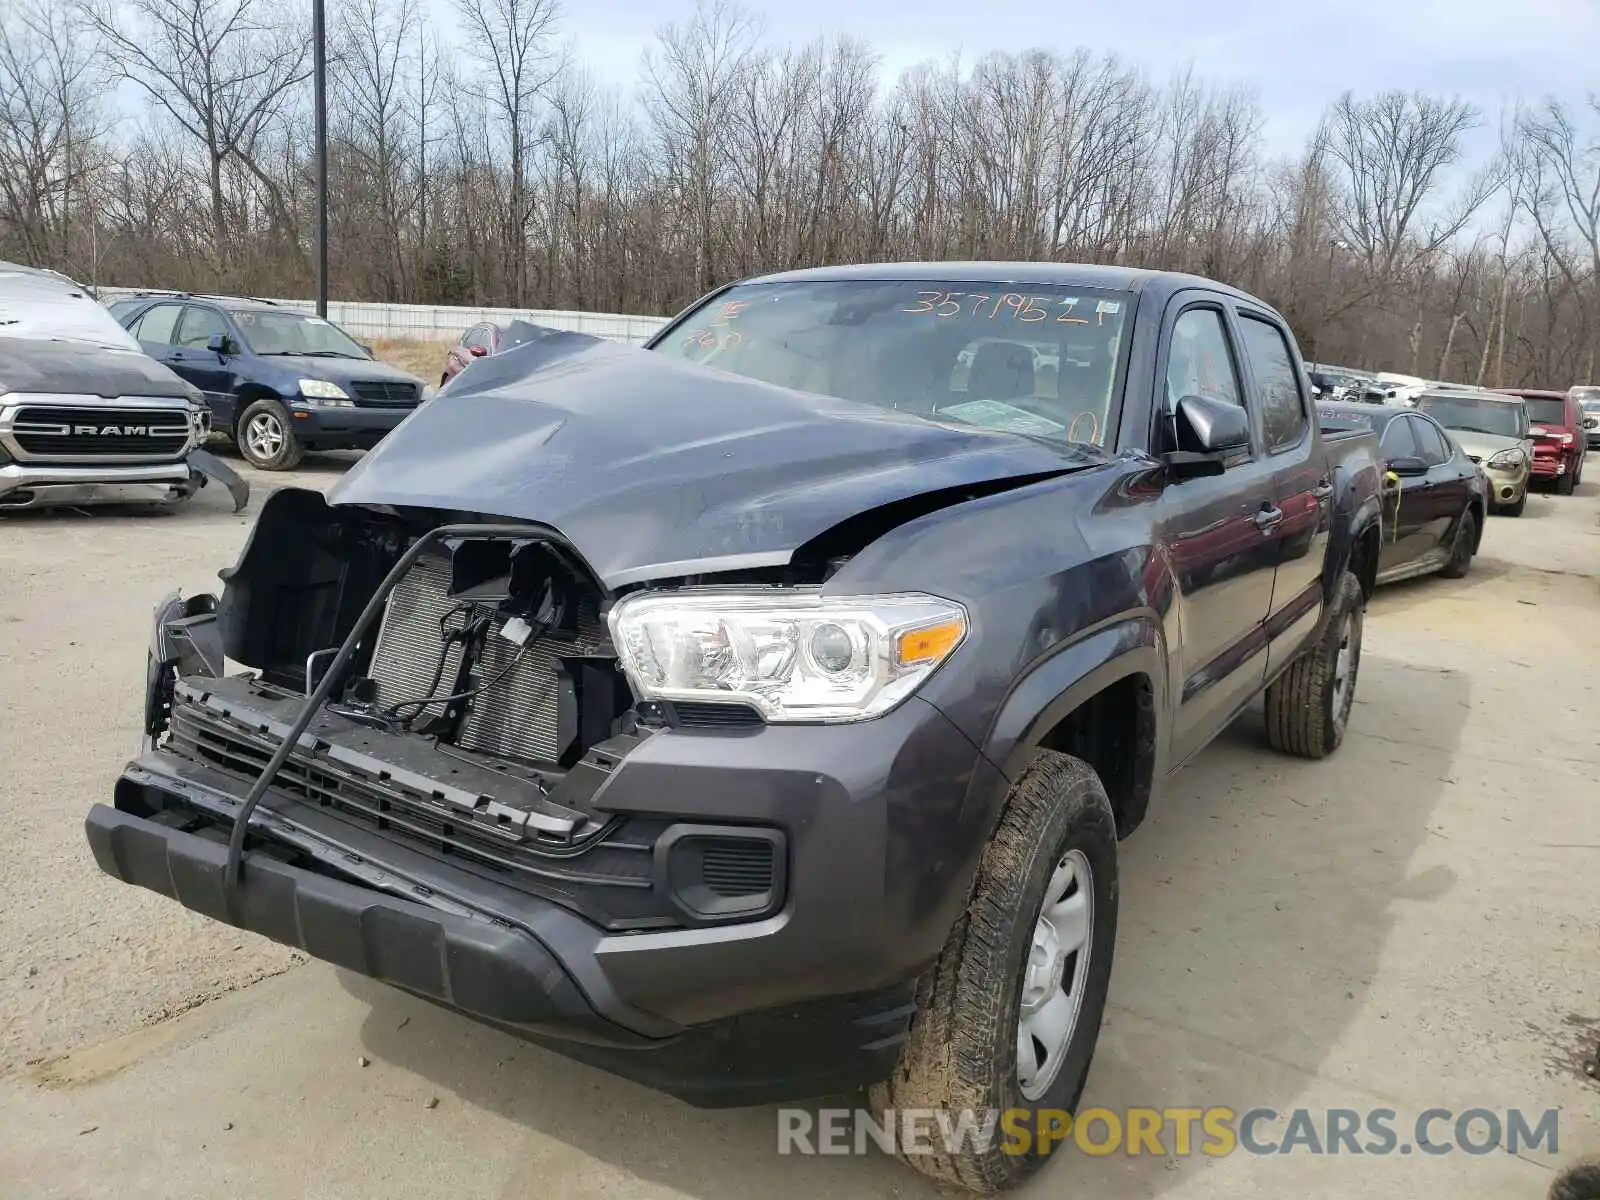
65, 368
653, 467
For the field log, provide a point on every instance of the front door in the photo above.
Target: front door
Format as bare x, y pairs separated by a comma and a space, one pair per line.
1218, 533
1405, 534
205, 368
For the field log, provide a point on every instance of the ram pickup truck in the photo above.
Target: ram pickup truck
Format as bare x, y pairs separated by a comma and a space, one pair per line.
756, 713
85, 417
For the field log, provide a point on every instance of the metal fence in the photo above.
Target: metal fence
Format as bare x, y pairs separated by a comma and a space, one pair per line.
437, 322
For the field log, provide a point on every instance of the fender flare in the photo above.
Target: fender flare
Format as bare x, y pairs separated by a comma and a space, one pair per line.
1127, 645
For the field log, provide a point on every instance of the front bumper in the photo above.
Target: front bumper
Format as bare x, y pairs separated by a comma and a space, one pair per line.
1506, 485
26, 485
811, 1000
326, 428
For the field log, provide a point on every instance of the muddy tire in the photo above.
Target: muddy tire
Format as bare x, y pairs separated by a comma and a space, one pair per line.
1462, 549
265, 436
1308, 706
1006, 971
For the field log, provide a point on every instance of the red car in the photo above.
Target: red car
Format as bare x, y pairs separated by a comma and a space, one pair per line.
1559, 440
481, 340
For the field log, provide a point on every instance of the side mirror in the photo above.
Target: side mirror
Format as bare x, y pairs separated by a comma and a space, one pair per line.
1208, 431
1408, 466
478, 351
219, 343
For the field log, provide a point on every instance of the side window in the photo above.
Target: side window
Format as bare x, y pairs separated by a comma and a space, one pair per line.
1435, 450
157, 324
1283, 409
474, 337
1399, 441
198, 326
1199, 362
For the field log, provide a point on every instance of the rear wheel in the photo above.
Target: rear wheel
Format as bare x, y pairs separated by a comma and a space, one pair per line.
266, 438
1308, 706
1462, 551
1008, 1016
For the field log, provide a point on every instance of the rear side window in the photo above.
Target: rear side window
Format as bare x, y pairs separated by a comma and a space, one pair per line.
1283, 408
1399, 441
157, 324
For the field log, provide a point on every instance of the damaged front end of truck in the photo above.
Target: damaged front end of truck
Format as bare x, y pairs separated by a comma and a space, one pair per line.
405, 737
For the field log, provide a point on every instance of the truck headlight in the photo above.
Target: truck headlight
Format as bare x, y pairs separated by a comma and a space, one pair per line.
1508, 460
792, 655
330, 394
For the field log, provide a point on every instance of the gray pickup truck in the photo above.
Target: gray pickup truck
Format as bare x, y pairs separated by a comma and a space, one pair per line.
85, 416
756, 714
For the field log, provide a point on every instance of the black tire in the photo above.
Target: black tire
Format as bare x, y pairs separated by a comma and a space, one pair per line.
281, 454
1462, 549
1565, 482
962, 1050
1515, 510
1307, 712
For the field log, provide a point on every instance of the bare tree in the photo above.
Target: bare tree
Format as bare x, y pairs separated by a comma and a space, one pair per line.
692, 81
221, 69
513, 42
1561, 171
50, 121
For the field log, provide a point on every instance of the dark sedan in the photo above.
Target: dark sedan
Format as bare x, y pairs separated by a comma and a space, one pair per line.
1435, 497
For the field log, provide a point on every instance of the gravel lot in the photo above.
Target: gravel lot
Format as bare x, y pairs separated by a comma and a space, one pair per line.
1410, 924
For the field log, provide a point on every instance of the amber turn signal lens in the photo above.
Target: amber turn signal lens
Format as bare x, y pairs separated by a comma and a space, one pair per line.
929, 644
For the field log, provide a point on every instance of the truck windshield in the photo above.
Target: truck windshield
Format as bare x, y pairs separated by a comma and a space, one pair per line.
294, 333
1043, 361
1469, 415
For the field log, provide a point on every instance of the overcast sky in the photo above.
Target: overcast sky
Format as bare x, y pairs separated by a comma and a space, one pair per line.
1297, 54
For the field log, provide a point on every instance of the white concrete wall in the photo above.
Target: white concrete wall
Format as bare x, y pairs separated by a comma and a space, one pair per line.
437, 322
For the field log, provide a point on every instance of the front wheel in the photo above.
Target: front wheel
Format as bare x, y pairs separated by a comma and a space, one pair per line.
1308, 706
1565, 482
1517, 509
1008, 1017
266, 438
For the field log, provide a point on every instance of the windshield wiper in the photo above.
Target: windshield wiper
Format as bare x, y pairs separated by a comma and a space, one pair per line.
328, 354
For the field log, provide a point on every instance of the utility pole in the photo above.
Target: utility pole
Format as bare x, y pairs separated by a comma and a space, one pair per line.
319, 39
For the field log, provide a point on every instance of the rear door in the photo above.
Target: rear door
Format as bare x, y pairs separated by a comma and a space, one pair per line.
1223, 561
156, 329
1302, 488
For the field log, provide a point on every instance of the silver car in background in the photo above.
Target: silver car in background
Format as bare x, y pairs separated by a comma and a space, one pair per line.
1588, 399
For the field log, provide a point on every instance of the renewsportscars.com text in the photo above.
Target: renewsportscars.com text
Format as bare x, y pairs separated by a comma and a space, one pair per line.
1170, 1132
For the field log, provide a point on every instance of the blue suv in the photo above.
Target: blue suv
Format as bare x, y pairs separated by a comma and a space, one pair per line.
278, 382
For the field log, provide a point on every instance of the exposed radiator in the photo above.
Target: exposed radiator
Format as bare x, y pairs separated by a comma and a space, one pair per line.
515, 718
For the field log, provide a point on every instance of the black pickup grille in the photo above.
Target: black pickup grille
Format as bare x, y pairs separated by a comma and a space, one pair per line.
381, 393
619, 861
110, 433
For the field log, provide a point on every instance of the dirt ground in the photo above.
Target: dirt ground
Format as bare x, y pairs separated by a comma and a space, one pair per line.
1407, 925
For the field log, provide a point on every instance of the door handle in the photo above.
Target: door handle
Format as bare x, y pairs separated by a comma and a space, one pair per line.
1268, 518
